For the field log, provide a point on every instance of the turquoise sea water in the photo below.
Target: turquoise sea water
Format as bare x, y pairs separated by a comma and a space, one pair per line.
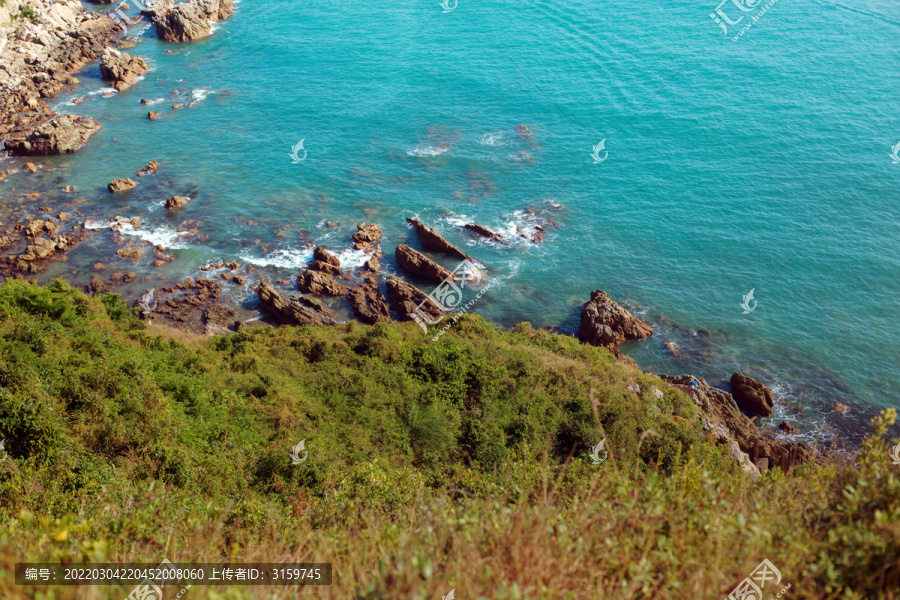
761, 163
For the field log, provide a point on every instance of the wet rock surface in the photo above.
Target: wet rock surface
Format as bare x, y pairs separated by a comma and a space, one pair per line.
605, 323
417, 264
432, 240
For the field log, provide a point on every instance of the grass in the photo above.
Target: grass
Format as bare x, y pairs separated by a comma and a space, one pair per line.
456, 464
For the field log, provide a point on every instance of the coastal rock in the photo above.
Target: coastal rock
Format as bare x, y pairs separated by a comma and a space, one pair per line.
369, 305
722, 417
416, 263
323, 267
153, 116
483, 231
787, 427
320, 254
315, 282
176, 202
121, 67
191, 20
304, 312
432, 240
604, 323
407, 300
60, 135
120, 185
366, 235
752, 396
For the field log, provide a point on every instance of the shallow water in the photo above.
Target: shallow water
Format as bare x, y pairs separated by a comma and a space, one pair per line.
761, 163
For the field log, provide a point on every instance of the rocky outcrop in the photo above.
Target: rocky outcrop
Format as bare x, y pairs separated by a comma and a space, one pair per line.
483, 231
59, 135
325, 262
121, 67
190, 20
407, 300
604, 323
121, 185
38, 54
432, 240
369, 305
722, 417
752, 396
304, 312
366, 236
416, 263
316, 282
176, 202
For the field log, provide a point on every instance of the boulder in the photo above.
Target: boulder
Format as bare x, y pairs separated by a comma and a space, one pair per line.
604, 323
367, 234
304, 312
320, 254
369, 305
416, 263
176, 202
191, 20
724, 420
323, 267
752, 396
121, 67
406, 300
315, 282
432, 240
153, 116
63, 134
121, 185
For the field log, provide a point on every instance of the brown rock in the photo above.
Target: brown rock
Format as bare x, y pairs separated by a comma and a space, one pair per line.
153, 116
315, 282
293, 313
432, 240
483, 231
121, 185
604, 323
722, 417
121, 67
787, 427
316, 265
239, 280
322, 255
159, 263
31, 167
752, 396
177, 105
416, 263
191, 19
59, 135
176, 202
410, 302
369, 305
367, 234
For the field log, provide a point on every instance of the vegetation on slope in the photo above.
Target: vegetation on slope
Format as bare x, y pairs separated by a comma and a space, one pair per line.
456, 464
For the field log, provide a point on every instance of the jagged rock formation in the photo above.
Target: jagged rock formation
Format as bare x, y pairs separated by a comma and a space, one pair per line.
121, 67
752, 396
190, 20
121, 185
60, 135
416, 263
316, 282
483, 231
432, 240
366, 236
406, 299
369, 305
304, 312
325, 262
604, 323
723, 418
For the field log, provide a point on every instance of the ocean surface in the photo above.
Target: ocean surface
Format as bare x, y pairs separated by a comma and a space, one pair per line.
757, 159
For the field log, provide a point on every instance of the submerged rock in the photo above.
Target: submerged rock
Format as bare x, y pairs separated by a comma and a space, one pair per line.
176, 202
483, 231
604, 323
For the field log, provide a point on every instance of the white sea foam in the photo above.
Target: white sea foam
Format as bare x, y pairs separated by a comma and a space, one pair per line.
423, 150
493, 138
213, 27
104, 91
158, 236
200, 94
297, 258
